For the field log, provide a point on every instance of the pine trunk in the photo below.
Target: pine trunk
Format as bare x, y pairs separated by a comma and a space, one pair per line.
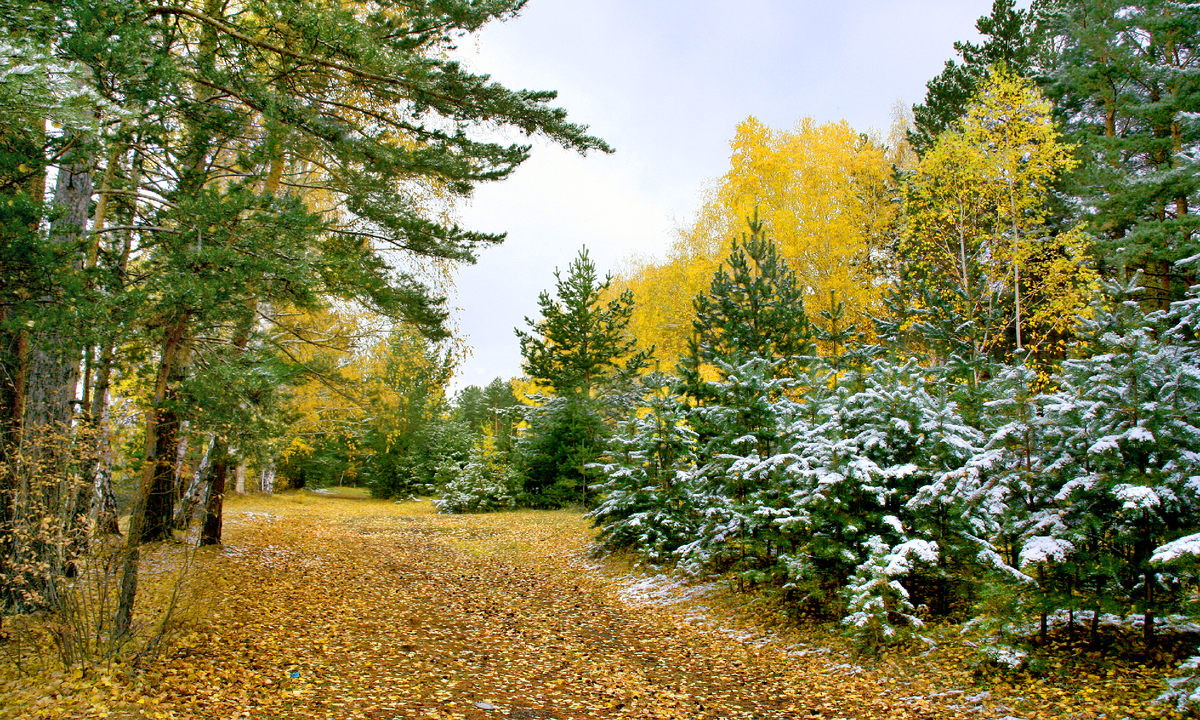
162, 428
41, 523
211, 534
104, 503
160, 500
159, 466
215, 505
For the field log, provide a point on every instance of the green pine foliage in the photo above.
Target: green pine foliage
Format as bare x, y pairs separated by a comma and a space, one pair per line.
492, 409
1124, 78
754, 308
582, 352
581, 345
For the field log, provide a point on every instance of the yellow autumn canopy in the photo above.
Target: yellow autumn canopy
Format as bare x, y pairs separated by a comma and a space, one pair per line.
822, 190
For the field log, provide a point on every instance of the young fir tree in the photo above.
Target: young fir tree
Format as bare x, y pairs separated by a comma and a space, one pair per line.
484, 483
879, 611
1005, 497
650, 504
582, 352
735, 478
1128, 422
871, 446
750, 338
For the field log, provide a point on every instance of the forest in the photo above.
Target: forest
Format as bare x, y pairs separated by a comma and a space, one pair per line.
949, 374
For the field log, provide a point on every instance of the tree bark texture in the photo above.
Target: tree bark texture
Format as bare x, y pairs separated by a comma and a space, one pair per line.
213, 512
198, 489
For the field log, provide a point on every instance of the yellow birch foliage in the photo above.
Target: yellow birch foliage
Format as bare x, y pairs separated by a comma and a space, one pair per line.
977, 207
823, 191
359, 375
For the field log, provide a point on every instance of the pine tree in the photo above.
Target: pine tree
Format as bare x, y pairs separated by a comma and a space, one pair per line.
581, 346
750, 339
1011, 41
581, 350
1124, 78
484, 483
291, 154
755, 309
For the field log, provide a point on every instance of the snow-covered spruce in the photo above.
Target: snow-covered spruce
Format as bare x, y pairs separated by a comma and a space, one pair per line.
649, 503
483, 484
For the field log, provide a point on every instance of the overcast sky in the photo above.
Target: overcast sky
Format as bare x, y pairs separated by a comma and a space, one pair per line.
665, 82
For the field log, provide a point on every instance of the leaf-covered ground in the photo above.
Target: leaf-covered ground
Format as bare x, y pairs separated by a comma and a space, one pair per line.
320, 607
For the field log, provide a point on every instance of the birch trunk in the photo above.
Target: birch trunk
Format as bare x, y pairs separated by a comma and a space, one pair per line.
266, 479
198, 489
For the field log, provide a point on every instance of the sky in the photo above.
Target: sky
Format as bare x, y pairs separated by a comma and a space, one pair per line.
666, 82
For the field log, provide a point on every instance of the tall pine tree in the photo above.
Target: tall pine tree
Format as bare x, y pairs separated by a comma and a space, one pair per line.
1125, 79
1010, 40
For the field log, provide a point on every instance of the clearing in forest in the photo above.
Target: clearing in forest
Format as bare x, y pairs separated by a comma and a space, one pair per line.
320, 607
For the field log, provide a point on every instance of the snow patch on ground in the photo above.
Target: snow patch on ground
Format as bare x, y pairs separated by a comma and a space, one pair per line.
846, 669
245, 518
661, 590
276, 556
664, 590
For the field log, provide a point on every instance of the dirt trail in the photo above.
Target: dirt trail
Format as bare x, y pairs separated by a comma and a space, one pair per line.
347, 609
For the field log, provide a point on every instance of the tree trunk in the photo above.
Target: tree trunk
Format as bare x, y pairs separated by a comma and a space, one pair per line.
99, 466
163, 441
181, 451
198, 490
41, 526
266, 479
160, 498
162, 427
158, 468
215, 505
54, 353
211, 534
104, 499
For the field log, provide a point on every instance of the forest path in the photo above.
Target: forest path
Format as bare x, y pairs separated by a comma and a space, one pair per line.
327, 608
